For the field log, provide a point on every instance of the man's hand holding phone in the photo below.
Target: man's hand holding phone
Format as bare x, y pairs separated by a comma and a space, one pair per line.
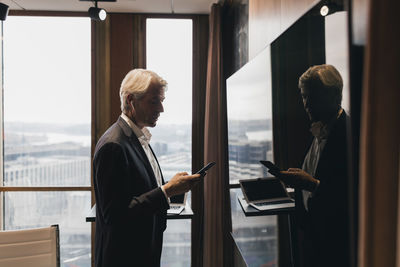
272, 168
180, 183
203, 171
183, 182
299, 179
293, 177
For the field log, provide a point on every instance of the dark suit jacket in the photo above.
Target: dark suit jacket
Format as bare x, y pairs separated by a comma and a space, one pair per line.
325, 224
130, 207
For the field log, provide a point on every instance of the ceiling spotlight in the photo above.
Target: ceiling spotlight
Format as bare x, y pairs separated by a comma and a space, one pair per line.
324, 10
96, 13
329, 8
3, 11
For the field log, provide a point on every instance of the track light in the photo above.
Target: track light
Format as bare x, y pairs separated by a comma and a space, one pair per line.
3, 11
96, 13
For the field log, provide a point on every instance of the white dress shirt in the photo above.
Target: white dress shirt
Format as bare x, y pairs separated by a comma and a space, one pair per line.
144, 137
311, 162
320, 132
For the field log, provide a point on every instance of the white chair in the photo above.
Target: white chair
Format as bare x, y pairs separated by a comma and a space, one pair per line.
31, 247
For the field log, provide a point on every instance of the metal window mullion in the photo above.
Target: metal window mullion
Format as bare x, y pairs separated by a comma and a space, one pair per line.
43, 188
1, 129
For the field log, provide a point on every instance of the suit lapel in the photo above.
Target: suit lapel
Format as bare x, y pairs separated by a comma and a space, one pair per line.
137, 147
331, 144
162, 177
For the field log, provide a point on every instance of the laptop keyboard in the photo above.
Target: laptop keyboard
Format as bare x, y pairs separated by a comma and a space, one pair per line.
273, 202
174, 207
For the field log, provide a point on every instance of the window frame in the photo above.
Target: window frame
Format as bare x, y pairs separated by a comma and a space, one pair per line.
199, 70
5, 189
33, 188
200, 44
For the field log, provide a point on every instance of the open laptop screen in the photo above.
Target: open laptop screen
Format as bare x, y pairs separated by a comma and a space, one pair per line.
261, 189
178, 199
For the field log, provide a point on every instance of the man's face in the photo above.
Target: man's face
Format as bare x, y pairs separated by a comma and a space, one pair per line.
318, 103
148, 108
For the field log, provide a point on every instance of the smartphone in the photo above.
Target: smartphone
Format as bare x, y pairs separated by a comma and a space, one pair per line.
272, 168
203, 170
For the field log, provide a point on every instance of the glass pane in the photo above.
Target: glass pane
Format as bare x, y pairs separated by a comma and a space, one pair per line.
67, 209
256, 237
177, 244
169, 53
249, 105
336, 50
47, 101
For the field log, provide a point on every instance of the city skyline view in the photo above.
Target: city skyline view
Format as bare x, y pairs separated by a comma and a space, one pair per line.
47, 137
30, 160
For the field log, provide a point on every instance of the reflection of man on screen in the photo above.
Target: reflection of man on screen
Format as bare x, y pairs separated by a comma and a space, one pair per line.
321, 184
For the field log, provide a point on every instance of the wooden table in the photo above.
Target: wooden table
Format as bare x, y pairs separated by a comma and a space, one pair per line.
187, 213
251, 211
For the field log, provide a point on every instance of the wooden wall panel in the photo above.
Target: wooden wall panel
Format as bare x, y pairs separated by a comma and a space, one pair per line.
116, 50
101, 115
270, 18
121, 62
292, 10
264, 24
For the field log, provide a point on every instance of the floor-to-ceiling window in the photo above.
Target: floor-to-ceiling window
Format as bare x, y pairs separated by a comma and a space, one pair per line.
169, 53
47, 129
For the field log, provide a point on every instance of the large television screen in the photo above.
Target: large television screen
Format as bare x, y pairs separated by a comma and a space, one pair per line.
249, 111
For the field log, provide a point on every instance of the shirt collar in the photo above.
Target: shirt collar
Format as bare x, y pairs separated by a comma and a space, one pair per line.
143, 135
321, 130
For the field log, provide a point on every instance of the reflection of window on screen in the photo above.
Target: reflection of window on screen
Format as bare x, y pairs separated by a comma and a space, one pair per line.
47, 129
336, 50
169, 53
250, 140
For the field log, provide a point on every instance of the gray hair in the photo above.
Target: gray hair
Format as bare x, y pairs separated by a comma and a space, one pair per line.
136, 83
323, 76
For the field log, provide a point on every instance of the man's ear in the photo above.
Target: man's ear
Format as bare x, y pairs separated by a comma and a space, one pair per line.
130, 99
131, 102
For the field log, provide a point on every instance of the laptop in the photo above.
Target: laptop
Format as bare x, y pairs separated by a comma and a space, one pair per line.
177, 204
266, 193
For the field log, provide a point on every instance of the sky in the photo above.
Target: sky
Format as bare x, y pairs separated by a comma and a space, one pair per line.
47, 68
47, 64
249, 90
169, 53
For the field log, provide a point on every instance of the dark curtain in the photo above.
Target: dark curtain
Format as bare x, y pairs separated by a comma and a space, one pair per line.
379, 217
217, 215
200, 46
